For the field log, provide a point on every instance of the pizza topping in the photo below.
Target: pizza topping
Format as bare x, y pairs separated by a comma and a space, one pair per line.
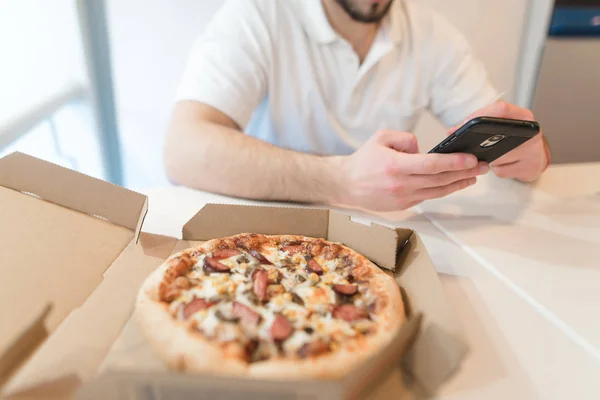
222, 254
274, 291
274, 276
247, 315
260, 258
281, 328
349, 312
313, 266
221, 315
179, 266
314, 278
290, 299
297, 299
182, 282
313, 349
259, 285
171, 293
214, 265
292, 248
258, 351
194, 306
243, 260
364, 326
347, 290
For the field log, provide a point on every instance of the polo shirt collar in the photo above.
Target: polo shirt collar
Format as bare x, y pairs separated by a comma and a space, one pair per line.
318, 27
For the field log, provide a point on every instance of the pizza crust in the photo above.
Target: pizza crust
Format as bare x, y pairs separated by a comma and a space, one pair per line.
183, 350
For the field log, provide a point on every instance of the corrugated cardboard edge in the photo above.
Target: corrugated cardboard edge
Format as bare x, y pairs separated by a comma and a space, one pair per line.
73, 190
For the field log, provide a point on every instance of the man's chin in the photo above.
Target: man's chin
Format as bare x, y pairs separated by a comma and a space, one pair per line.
378, 11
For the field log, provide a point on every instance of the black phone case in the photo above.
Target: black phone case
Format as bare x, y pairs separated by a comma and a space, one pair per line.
469, 137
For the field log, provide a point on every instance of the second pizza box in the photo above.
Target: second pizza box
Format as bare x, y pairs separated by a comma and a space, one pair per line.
92, 260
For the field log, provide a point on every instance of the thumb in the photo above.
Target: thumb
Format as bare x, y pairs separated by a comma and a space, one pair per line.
400, 141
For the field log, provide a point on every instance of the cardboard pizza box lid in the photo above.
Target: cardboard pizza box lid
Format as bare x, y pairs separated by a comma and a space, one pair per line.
60, 231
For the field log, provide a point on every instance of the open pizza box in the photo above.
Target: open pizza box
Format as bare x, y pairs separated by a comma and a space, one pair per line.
73, 257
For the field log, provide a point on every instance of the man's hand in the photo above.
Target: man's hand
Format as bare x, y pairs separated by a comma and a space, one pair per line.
388, 174
525, 163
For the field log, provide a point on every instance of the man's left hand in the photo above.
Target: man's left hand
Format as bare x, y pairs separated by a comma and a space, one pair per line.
525, 163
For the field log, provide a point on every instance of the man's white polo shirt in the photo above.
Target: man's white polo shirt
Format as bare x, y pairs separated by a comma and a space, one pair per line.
280, 71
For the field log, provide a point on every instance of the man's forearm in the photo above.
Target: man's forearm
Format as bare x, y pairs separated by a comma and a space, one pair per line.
212, 157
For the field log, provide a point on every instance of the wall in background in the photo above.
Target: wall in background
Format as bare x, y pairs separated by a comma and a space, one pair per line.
40, 51
150, 40
495, 31
41, 59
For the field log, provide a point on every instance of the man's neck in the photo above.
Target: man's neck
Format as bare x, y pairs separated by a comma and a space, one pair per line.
359, 35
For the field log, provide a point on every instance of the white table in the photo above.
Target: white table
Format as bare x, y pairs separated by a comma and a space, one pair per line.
541, 241
516, 352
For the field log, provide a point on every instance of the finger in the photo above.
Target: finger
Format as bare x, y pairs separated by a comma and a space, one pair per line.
441, 191
446, 178
523, 171
427, 164
400, 141
511, 170
520, 152
509, 158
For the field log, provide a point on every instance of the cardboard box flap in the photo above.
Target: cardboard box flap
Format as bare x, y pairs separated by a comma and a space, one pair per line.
374, 369
81, 341
441, 345
54, 248
221, 220
73, 190
159, 385
15, 354
376, 242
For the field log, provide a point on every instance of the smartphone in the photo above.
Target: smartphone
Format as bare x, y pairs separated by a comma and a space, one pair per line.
488, 138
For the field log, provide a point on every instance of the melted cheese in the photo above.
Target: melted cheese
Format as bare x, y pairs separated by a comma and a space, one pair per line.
316, 298
264, 331
296, 341
207, 321
329, 326
209, 289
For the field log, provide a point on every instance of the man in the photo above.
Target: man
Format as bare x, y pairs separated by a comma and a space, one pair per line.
326, 91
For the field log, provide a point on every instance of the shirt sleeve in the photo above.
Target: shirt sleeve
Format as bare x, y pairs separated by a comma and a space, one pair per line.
459, 83
227, 66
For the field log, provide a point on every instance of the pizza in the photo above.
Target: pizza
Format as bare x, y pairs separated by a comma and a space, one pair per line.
270, 307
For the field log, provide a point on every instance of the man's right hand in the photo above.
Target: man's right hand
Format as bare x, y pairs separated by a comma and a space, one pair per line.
387, 173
